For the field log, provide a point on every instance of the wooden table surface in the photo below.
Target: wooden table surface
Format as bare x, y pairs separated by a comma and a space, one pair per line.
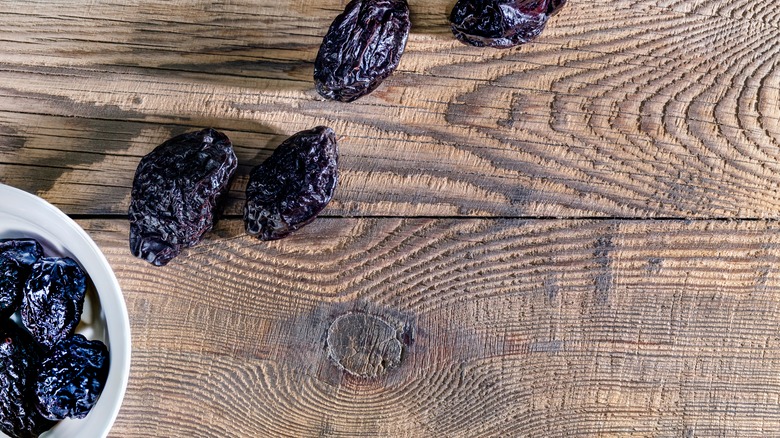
577, 237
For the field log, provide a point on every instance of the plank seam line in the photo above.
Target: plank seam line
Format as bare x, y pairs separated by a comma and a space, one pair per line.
87, 216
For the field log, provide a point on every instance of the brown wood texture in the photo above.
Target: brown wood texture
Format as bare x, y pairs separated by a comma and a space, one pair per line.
485, 268
648, 108
513, 328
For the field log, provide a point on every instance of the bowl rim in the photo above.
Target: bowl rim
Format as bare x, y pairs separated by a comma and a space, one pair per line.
118, 326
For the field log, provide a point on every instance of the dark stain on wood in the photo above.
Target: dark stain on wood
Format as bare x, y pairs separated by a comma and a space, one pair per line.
604, 277
551, 289
515, 112
762, 278
654, 265
549, 347
326, 429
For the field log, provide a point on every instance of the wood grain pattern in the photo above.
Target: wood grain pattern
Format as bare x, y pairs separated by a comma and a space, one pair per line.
516, 328
647, 108
510, 324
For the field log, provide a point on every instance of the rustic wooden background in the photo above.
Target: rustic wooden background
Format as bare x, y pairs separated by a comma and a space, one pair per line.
576, 237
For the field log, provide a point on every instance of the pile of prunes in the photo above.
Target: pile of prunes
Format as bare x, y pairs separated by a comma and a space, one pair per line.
49, 372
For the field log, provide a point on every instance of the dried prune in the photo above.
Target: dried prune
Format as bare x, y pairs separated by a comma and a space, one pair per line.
291, 187
70, 378
19, 358
362, 48
501, 23
16, 258
176, 191
53, 298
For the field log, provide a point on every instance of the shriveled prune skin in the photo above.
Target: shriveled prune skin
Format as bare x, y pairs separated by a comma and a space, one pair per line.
71, 378
53, 299
18, 366
362, 48
555, 6
501, 23
293, 185
16, 258
176, 191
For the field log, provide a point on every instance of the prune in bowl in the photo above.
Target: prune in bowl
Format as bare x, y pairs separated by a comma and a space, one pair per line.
104, 317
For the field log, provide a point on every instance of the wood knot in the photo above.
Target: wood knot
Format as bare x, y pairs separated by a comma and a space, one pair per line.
364, 345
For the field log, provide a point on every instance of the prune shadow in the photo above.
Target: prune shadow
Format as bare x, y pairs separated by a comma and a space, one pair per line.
259, 50
256, 48
84, 138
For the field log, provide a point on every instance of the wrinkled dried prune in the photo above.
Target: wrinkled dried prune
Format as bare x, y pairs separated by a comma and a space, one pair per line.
19, 358
176, 191
23, 251
362, 48
16, 258
70, 378
501, 23
291, 187
53, 298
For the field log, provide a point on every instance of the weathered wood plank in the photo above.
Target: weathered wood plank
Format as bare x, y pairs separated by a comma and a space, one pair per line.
645, 108
509, 328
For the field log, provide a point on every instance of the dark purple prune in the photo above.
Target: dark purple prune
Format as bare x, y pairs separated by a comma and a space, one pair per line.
16, 258
291, 187
176, 192
53, 298
555, 6
70, 378
501, 23
19, 358
362, 48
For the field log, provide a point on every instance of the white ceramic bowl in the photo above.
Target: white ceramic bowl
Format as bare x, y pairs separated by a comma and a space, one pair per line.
105, 315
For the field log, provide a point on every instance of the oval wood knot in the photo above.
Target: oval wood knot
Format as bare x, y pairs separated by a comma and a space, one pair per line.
364, 345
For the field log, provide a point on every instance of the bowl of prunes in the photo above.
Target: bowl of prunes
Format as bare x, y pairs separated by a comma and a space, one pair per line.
64, 329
